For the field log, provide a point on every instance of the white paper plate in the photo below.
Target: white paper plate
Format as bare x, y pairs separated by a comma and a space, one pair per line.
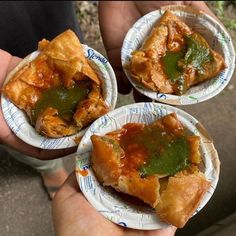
18, 121
215, 34
106, 201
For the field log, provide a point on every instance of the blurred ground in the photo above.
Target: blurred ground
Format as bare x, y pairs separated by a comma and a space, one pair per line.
25, 208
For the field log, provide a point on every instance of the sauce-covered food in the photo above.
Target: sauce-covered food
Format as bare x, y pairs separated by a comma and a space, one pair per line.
58, 90
144, 160
173, 58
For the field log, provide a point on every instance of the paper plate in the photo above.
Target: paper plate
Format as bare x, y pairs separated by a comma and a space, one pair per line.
18, 121
107, 202
215, 34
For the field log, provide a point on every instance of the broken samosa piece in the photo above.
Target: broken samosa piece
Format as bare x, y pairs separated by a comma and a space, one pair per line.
181, 198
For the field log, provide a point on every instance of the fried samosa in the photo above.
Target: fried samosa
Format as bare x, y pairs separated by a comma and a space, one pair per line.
157, 163
173, 58
59, 90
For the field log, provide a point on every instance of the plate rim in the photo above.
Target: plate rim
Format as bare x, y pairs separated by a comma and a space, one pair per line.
39, 141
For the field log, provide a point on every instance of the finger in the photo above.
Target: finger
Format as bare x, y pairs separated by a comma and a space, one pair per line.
200, 5
13, 63
145, 7
138, 97
5, 59
113, 24
114, 27
69, 188
168, 231
7, 63
71, 185
124, 86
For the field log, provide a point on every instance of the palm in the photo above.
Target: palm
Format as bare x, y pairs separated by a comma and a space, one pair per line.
7, 63
73, 215
121, 16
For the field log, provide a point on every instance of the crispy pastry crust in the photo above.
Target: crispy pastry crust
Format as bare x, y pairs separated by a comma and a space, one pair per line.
61, 62
175, 198
106, 161
181, 198
169, 34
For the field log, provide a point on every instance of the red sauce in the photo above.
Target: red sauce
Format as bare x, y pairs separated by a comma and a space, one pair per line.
47, 76
135, 153
153, 148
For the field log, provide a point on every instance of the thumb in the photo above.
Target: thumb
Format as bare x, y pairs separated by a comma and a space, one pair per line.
7, 63
123, 84
69, 188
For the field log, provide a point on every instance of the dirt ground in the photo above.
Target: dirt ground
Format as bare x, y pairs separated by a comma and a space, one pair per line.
26, 210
